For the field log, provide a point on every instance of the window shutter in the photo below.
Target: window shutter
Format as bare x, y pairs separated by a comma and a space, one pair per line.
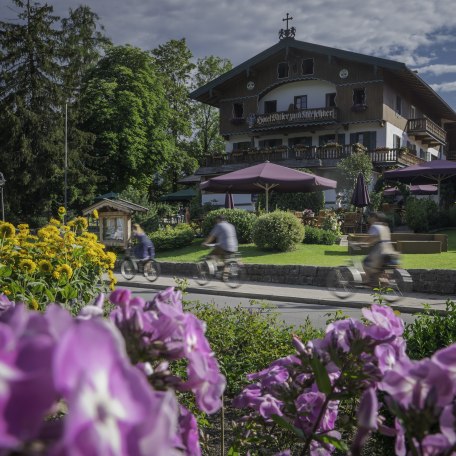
341, 139
353, 138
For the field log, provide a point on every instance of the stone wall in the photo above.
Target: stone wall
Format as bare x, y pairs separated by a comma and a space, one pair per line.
437, 281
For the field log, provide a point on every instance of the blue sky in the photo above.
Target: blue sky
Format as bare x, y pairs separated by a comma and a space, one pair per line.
420, 33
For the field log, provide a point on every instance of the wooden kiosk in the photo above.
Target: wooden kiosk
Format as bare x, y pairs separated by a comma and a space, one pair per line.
114, 220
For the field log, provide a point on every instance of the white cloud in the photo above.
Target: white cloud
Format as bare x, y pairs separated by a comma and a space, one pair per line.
445, 87
437, 69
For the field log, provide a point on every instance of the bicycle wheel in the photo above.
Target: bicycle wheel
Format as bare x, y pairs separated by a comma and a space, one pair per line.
340, 282
203, 273
233, 274
127, 269
151, 270
390, 286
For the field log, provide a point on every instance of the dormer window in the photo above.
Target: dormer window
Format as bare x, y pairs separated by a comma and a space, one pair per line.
308, 66
270, 106
238, 110
300, 102
359, 100
282, 70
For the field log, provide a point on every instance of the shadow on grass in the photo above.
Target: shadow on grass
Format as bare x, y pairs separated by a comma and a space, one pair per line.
335, 253
252, 251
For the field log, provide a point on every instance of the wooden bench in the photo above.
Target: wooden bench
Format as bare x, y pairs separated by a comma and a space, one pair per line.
405, 243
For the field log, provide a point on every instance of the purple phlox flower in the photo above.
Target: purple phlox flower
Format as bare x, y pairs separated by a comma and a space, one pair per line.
283, 453
267, 406
279, 364
170, 297
5, 303
386, 357
188, 439
248, 396
323, 449
93, 310
120, 296
112, 409
342, 333
367, 410
383, 317
26, 387
399, 445
448, 424
411, 382
308, 406
446, 359
435, 445
300, 347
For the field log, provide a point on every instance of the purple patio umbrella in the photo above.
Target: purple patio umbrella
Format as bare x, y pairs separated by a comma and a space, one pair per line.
360, 197
267, 176
431, 172
414, 190
229, 202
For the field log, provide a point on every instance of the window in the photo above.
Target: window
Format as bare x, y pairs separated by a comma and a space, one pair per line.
396, 142
270, 106
238, 110
305, 140
300, 102
367, 138
113, 229
330, 100
241, 145
282, 70
412, 112
270, 142
325, 139
398, 104
307, 66
359, 96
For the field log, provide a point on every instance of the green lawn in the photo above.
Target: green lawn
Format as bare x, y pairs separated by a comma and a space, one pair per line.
316, 255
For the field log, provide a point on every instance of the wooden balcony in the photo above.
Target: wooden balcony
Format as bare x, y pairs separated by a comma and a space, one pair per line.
426, 131
325, 155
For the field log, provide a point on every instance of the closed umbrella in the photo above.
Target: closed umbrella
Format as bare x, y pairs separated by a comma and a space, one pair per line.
229, 203
360, 197
267, 176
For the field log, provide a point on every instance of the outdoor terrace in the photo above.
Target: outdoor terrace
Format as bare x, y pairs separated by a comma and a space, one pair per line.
324, 154
426, 131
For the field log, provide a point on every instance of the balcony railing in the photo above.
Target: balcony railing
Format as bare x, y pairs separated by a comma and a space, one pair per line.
383, 157
426, 130
302, 116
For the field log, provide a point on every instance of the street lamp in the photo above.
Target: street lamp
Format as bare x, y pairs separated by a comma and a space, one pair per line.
2, 183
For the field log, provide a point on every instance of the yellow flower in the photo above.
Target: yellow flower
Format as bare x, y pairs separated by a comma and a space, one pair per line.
112, 284
6, 291
61, 211
80, 223
45, 266
7, 230
55, 222
63, 269
95, 214
27, 266
34, 304
111, 259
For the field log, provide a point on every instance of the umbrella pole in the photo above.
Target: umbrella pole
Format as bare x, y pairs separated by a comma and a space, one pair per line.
267, 199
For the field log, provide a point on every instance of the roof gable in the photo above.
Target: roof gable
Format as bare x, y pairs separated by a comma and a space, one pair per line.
119, 204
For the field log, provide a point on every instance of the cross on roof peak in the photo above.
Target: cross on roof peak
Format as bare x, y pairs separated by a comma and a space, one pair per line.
288, 32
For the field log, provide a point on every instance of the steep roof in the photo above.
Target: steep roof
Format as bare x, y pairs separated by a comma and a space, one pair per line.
398, 69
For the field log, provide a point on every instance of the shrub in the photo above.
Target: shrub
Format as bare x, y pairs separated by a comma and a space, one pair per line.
245, 340
315, 235
452, 215
278, 231
294, 201
173, 237
242, 220
420, 213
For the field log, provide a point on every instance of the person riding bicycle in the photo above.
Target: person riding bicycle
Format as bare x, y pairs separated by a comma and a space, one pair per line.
382, 252
145, 249
224, 235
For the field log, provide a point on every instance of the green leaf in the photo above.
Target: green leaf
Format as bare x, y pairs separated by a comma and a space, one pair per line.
321, 376
5, 271
284, 424
336, 443
233, 452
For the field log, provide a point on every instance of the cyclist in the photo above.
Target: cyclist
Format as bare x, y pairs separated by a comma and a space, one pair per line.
224, 235
382, 252
145, 249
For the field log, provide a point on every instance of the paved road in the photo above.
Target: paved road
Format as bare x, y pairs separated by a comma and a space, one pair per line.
292, 313
411, 303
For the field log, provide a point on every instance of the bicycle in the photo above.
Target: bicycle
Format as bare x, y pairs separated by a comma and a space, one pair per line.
230, 270
343, 281
131, 266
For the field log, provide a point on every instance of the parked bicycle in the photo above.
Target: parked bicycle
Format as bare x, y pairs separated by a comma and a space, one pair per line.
230, 270
148, 267
391, 281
